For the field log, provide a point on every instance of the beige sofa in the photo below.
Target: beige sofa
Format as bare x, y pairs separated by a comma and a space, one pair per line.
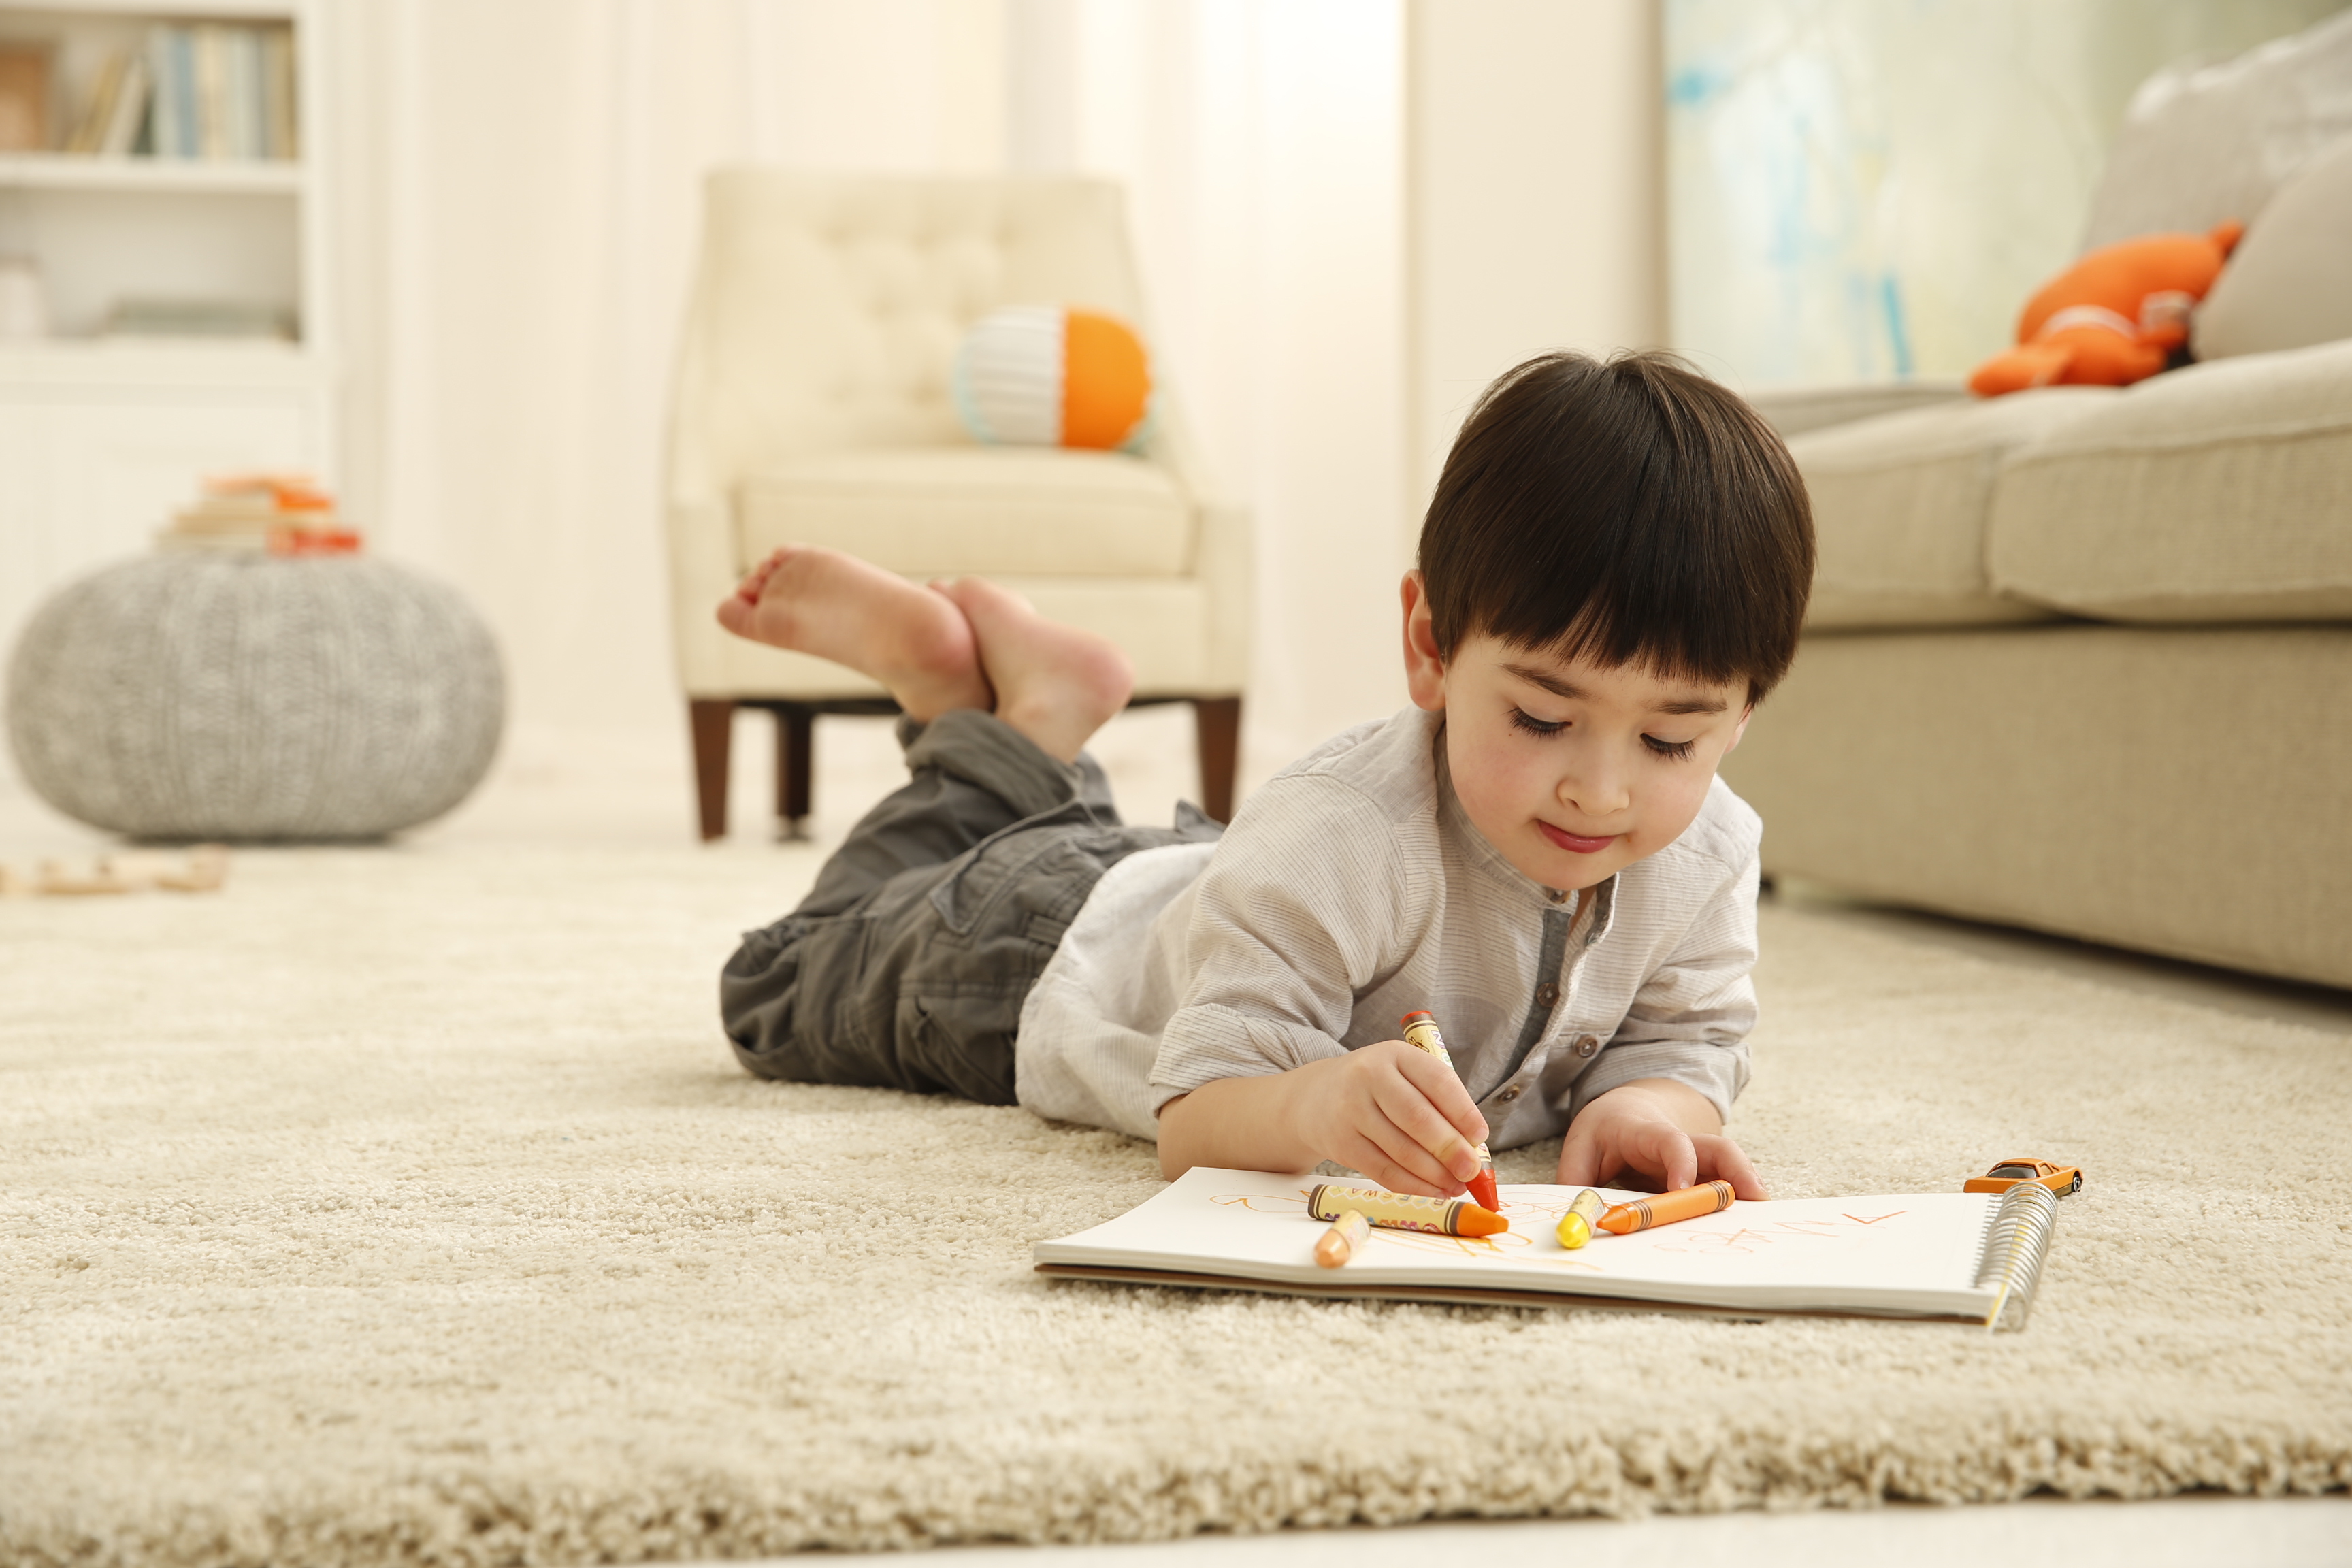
2081, 660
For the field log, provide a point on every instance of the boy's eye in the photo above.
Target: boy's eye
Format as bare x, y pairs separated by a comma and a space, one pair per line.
1673, 750
1520, 721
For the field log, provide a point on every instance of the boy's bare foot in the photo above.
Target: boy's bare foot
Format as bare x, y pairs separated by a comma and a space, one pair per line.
1055, 684
822, 602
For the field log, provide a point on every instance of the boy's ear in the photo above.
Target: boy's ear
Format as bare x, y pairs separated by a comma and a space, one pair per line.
1740, 733
1424, 667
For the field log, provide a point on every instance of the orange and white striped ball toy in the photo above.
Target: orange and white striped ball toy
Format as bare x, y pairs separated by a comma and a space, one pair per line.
1052, 375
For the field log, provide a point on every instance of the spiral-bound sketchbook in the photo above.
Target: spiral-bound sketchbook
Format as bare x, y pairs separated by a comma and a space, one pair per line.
1958, 1256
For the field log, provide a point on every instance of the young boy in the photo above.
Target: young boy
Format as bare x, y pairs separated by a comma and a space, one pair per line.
1612, 574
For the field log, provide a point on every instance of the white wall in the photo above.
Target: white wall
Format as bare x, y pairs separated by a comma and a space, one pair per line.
1536, 210
1263, 149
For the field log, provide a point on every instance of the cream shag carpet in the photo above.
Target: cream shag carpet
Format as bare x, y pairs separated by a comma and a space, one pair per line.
404, 1207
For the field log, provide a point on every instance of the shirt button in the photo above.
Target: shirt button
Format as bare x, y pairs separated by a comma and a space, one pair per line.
1509, 1094
1557, 897
1586, 1043
1547, 993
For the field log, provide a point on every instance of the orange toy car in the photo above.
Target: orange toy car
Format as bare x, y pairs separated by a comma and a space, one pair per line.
2059, 1179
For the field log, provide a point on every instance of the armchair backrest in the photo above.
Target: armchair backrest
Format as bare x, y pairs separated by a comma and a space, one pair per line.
826, 309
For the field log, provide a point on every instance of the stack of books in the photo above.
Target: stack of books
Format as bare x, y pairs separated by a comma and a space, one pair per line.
213, 90
283, 514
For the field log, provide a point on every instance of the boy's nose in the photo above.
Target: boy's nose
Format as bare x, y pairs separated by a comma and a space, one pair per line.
1594, 793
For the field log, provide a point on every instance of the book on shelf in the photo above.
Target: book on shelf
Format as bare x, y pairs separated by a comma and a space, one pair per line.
23, 98
201, 90
112, 88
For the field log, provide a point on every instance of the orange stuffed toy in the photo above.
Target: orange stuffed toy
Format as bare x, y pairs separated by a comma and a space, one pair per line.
2112, 318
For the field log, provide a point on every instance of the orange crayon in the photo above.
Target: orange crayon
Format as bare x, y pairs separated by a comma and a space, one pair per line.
1420, 1034
1344, 1239
1401, 1211
1690, 1203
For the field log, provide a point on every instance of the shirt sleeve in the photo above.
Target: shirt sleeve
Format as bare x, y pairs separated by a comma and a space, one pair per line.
1297, 913
1689, 1021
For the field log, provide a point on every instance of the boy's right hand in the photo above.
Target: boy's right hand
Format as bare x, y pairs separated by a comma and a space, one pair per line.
1396, 1114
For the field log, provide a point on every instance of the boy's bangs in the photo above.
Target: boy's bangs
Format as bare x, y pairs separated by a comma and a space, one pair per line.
1617, 641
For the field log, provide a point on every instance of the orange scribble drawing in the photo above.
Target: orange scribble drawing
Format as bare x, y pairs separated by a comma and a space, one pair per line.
1697, 1241
1251, 1200
1511, 1244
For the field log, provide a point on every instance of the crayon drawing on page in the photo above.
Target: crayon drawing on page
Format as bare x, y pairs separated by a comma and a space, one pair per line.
1529, 1221
1515, 1244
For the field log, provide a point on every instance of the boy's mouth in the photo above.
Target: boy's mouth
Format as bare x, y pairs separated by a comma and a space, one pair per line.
1576, 843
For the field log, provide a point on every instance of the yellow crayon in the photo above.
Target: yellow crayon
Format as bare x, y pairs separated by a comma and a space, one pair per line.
1420, 1034
1344, 1239
1576, 1225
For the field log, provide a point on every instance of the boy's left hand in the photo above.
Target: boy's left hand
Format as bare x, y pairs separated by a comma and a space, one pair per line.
1666, 1131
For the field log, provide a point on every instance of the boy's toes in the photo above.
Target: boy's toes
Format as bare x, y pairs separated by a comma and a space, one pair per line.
755, 581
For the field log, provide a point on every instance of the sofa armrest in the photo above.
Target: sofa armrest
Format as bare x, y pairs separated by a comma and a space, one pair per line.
1793, 410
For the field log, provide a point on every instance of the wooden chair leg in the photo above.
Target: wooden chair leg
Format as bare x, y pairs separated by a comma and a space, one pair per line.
796, 747
712, 720
1217, 721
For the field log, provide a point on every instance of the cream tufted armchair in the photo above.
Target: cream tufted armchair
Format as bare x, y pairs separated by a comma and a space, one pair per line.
812, 407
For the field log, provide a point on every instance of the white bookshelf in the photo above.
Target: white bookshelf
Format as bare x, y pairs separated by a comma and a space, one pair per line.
88, 172
102, 437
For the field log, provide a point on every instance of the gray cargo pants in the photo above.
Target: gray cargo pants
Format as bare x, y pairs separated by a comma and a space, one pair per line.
905, 966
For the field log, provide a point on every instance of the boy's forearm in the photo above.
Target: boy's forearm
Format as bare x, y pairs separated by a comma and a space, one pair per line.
1246, 1123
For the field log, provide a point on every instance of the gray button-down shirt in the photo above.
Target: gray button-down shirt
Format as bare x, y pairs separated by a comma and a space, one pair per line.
1351, 890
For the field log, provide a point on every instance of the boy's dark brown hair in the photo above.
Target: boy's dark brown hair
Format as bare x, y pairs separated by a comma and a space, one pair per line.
1630, 511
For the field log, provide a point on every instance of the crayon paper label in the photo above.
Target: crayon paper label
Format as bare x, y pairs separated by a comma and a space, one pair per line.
1423, 1037
1394, 1211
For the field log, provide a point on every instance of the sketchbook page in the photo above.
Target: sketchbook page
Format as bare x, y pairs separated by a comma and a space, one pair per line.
1905, 1253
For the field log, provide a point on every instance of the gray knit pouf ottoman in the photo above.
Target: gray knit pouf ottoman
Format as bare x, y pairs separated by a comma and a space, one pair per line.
234, 695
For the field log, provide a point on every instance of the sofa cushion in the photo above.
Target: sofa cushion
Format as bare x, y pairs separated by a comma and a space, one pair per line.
2206, 141
2289, 283
1005, 511
1899, 507
2220, 492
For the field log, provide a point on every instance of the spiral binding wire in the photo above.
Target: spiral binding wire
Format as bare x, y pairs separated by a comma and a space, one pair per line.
2015, 1243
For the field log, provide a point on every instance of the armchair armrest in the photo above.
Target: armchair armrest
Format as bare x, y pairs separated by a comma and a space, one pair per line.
702, 571
1224, 558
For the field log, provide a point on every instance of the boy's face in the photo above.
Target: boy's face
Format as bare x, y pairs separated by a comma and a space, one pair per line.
1573, 770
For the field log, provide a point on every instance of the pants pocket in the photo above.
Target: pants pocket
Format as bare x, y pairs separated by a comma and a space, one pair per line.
959, 1043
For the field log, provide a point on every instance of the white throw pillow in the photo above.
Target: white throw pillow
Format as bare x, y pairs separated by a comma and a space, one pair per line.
2289, 283
2205, 142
